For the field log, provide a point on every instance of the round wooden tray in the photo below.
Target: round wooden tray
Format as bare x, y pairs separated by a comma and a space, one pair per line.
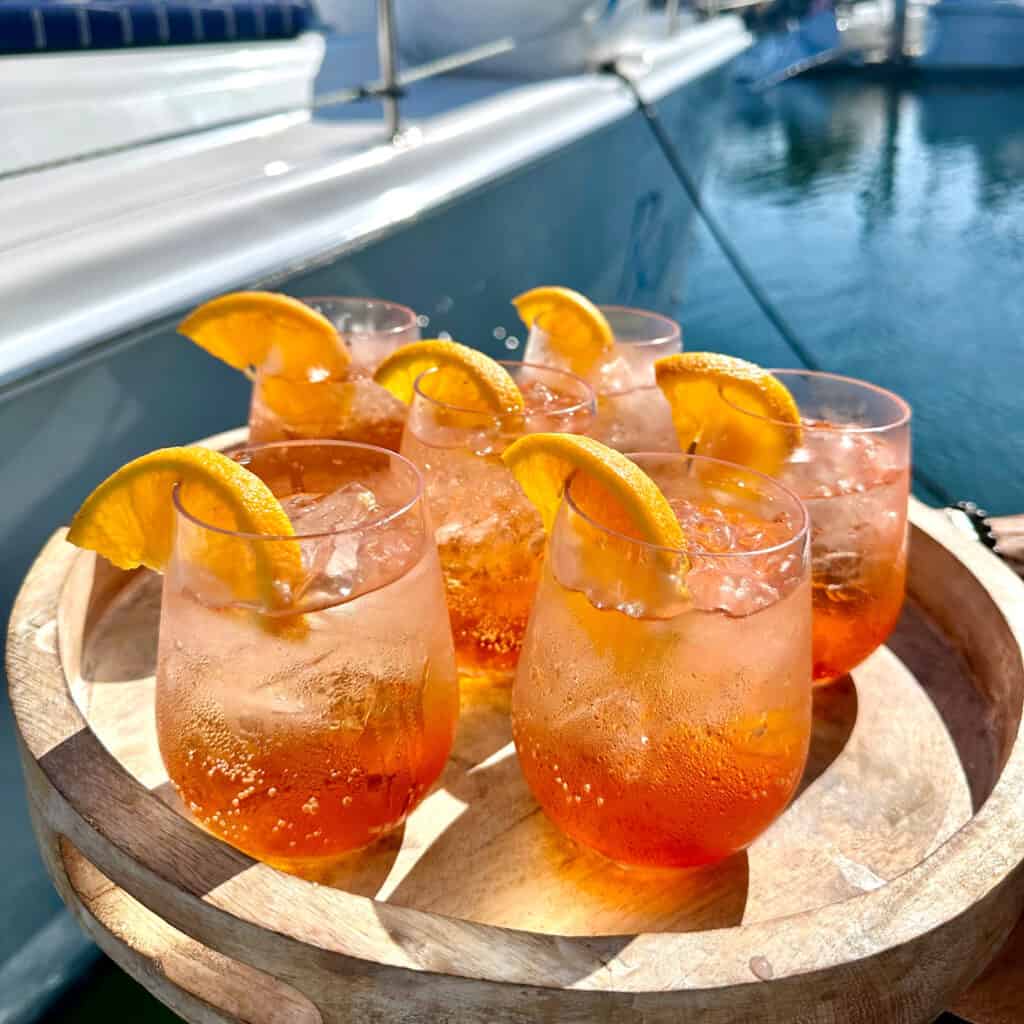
882, 892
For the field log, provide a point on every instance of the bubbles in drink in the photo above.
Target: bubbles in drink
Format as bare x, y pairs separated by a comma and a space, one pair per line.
632, 414
353, 409
490, 539
269, 741
683, 737
623, 368
538, 395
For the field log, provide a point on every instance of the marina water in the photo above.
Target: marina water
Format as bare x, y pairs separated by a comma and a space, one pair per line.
887, 224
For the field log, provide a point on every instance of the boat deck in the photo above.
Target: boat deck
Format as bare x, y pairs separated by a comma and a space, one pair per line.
177, 221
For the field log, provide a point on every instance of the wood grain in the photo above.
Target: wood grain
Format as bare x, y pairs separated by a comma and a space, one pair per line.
997, 997
879, 896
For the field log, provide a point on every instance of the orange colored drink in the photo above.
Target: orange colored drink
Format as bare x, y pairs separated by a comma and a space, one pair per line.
351, 407
632, 413
299, 744
676, 728
852, 469
859, 552
314, 785
490, 538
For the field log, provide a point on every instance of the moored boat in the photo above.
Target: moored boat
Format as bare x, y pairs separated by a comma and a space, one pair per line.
943, 37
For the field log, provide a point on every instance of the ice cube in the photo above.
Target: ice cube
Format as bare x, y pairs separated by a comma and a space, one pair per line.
736, 589
343, 509
295, 505
614, 376
712, 534
332, 559
538, 395
335, 560
838, 567
385, 554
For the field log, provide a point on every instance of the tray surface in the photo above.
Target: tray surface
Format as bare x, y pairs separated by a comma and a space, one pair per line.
881, 893
886, 784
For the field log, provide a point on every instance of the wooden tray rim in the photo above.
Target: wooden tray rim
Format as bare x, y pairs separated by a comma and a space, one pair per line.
349, 926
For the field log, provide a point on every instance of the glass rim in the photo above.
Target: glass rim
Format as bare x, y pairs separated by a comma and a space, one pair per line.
411, 314
801, 530
568, 410
902, 405
674, 331
370, 524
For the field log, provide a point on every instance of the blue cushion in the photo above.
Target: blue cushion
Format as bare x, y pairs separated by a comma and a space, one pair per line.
181, 22
106, 27
148, 29
17, 28
248, 21
213, 24
37, 26
63, 28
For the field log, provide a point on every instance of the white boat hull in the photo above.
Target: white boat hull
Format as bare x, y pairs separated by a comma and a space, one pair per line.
59, 106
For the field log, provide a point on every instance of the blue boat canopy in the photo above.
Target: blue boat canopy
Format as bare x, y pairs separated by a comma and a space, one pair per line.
47, 26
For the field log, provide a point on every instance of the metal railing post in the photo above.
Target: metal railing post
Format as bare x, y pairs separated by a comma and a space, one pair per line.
387, 51
672, 11
898, 36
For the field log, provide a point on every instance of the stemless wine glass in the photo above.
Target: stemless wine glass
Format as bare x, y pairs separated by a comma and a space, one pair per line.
632, 413
308, 729
353, 408
852, 468
490, 537
662, 715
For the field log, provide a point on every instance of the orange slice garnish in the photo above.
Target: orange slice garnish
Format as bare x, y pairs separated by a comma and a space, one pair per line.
730, 409
613, 491
466, 378
576, 328
130, 520
270, 333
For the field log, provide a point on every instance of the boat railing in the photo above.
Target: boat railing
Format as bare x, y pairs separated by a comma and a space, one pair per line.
672, 13
388, 88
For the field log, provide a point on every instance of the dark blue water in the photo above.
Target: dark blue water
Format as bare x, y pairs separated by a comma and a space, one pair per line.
888, 225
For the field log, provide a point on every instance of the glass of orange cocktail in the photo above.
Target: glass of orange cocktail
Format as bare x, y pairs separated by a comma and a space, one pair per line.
851, 465
489, 537
346, 406
310, 720
632, 414
311, 362
677, 728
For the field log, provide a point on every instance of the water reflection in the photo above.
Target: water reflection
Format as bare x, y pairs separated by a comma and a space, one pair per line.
989, 122
888, 224
788, 137
791, 136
